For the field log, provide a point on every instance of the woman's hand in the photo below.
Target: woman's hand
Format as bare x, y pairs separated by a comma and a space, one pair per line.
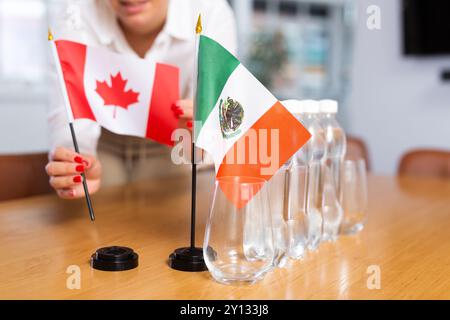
184, 109
65, 168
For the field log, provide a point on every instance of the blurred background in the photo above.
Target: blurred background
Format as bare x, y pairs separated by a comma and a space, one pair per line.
390, 81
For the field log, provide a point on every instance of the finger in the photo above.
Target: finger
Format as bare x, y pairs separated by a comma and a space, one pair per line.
94, 171
64, 182
184, 104
183, 108
88, 160
93, 186
77, 191
66, 193
65, 154
59, 168
183, 114
186, 114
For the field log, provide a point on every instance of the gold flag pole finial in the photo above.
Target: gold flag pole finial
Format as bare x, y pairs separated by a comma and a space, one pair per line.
198, 27
50, 35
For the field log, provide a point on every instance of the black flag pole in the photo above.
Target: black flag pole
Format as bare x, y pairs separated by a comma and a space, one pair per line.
193, 194
191, 258
70, 118
85, 187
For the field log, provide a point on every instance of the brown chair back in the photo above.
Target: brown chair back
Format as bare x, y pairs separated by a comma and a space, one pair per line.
425, 162
356, 149
23, 176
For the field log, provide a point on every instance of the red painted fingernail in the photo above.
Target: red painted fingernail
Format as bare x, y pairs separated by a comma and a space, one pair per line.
77, 179
79, 168
175, 106
189, 124
78, 159
179, 112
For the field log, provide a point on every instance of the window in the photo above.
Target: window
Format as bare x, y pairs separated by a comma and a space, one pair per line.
23, 47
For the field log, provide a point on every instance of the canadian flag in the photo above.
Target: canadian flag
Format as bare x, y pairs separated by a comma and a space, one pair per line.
125, 94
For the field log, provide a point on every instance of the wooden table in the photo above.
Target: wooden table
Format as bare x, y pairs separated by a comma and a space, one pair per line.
407, 237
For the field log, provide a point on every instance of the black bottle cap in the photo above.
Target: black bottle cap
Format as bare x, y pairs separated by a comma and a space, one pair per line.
114, 258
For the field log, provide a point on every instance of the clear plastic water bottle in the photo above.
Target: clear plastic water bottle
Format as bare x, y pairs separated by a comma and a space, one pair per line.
330, 173
311, 155
277, 196
332, 211
295, 208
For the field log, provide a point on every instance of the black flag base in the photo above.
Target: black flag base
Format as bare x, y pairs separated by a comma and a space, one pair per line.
188, 259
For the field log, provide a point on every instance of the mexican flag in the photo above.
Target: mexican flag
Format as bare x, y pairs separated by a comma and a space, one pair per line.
125, 94
245, 129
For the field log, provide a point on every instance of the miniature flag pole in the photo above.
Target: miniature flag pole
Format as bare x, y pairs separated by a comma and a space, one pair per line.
198, 30
191, 258
70, 118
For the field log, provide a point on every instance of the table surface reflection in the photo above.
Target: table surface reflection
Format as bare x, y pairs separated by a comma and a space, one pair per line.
407, 237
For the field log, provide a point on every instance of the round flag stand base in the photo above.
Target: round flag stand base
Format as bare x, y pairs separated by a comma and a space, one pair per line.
187, 259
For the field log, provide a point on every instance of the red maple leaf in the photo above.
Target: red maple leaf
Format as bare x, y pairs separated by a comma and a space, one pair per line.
115, 95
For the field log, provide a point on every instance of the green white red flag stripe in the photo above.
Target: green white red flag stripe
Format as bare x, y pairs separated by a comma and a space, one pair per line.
234, 108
